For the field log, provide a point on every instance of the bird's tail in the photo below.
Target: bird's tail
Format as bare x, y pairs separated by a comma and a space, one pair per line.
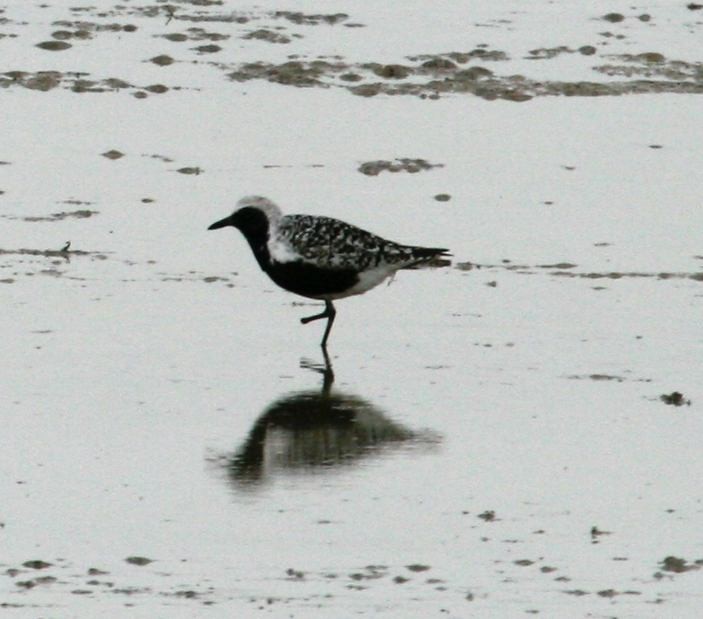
429, 257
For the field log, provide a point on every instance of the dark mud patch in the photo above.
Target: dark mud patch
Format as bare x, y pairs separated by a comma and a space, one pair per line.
613, 18
83, 29
302, 19
37, 564
389, 71
290, 73
113, 154
209, 48
194, 34
140, 561
449, 60
547, 53
417, 567
675, 398
269, 36
162, 60
678, 565
54, 46
404, 164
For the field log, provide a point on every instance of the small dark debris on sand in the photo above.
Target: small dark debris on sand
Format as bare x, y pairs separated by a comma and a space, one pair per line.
54, 46
94, 571
190, 170
162, 60
36, 564
141, 561
675, 398
112, 154
596, 533
295, 574
208, 48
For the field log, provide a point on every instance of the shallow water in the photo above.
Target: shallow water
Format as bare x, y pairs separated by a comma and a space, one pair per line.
494, 441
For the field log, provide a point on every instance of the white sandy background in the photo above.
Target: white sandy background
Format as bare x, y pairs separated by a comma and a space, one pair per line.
547, 476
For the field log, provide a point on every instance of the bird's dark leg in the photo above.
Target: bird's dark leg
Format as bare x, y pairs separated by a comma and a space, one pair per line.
332, 313
326, 371
329, 313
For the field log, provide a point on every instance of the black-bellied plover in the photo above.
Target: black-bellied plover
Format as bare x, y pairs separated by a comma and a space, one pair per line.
320, 257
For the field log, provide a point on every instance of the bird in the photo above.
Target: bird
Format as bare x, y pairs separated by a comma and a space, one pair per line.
320, 257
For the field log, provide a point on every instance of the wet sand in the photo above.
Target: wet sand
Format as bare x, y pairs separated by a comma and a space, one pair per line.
516, 433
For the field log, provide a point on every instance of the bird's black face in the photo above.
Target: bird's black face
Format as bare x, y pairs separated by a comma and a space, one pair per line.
250, 220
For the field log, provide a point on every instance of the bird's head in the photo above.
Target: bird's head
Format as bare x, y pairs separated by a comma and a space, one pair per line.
254, 216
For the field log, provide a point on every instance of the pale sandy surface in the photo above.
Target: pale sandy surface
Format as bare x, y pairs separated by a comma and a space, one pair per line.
499, 447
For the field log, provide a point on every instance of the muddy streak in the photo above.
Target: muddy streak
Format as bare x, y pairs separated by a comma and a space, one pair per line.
439, 75
560, 270
403, 164
50, 253
45, 81
79, 214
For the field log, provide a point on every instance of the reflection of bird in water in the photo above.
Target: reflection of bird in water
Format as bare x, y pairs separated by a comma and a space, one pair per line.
316, 429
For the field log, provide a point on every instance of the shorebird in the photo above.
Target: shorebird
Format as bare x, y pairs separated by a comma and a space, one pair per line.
320, 257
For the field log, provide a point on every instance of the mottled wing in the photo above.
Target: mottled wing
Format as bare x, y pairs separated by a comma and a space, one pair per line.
334, 244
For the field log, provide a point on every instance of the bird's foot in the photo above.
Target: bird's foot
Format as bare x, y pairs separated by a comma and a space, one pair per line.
308, 319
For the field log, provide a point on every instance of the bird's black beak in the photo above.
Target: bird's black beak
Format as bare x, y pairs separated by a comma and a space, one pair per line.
227, 221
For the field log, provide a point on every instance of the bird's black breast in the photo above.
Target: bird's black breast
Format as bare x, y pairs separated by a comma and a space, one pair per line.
309, 280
